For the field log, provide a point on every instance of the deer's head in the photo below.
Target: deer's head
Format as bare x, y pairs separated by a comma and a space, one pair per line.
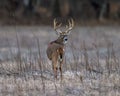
63, 35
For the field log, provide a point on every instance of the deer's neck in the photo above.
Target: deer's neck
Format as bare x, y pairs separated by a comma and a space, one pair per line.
59, 42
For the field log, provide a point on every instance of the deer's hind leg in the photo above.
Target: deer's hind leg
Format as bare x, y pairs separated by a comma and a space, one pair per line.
55, 65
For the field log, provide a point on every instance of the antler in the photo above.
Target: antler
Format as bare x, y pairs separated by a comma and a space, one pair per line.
56, 26
70, 25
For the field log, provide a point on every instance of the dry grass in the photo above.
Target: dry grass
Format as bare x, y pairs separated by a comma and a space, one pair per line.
90, 69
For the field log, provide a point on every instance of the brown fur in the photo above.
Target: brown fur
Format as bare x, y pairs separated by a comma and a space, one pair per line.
55, 53
55, 50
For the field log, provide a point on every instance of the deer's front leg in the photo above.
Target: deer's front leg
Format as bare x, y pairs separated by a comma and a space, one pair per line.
60, 68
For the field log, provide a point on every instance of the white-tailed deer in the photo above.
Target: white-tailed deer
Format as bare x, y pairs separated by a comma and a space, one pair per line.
55, 50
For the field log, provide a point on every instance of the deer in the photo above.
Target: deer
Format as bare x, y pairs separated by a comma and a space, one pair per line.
56, 49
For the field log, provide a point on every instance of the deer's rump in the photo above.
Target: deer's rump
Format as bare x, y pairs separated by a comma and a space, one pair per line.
54, 50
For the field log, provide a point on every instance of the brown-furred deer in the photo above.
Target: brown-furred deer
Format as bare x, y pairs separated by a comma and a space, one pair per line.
55, 50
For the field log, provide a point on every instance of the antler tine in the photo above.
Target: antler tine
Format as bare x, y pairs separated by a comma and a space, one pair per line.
70, 25
56, 26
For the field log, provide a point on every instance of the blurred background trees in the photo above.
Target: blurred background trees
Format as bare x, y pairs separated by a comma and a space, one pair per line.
41, 11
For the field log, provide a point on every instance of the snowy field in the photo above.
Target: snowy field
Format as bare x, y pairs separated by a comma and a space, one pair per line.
91, 66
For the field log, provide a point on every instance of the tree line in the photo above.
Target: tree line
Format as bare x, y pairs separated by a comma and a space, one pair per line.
46, 9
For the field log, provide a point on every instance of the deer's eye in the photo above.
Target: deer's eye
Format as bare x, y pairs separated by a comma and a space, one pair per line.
65, 39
